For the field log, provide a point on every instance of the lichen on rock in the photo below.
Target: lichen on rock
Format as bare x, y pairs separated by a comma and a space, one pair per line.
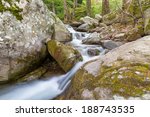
124, 72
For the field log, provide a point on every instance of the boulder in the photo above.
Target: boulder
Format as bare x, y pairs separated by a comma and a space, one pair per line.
61, 33
119, 37
84, 27
89, 20
147, 22
34, 75
123, 73
133, 34
75, 24
93, 52
65, 55
93, 38
22, 47
109, 44
98, 17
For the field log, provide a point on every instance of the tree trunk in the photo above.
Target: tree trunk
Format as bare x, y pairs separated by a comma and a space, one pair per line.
88, 7
66, 15
75, 4
79, 1
105, 7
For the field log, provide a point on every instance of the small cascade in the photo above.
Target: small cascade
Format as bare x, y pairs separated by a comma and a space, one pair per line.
54, 86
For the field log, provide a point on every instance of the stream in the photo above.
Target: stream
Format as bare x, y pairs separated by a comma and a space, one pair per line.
53, 86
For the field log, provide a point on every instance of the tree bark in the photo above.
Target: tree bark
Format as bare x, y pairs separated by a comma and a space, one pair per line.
66, 15
88, 7
105, 7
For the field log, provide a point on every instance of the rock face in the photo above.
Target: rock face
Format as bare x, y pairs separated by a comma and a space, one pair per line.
123, 73
66, 56
22, 46
60, 32
147, 22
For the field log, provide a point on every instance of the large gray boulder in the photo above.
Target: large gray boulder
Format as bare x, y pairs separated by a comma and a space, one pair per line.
123, 73
22, 46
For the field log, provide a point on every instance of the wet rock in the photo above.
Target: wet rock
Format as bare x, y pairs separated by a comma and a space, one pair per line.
120, 74
34, 75
147, 21
93, 52
61, 34
109, 44
84, 27
75, 24
93, 38
66, 56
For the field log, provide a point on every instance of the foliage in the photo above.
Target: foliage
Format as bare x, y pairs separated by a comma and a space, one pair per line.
80, 10
58, 4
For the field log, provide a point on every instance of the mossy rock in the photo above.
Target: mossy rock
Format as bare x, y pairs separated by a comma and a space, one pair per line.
123, 72
34, 75
135, 10
127, 80
66, 56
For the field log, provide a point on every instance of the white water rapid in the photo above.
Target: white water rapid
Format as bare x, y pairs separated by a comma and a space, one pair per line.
54, 86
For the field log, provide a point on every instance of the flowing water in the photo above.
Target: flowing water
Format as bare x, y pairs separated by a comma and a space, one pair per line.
54, 86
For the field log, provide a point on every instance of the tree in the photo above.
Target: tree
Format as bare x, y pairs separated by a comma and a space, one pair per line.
79, 1
75, 4
88, 7
105, 7
66, 15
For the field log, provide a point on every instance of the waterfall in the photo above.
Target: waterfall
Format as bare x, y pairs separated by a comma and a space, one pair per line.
54, 86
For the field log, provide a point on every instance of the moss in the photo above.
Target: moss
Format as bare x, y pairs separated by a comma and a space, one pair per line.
14, 9
132, 81
122, 78
66, 56
134, 8
34, 75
